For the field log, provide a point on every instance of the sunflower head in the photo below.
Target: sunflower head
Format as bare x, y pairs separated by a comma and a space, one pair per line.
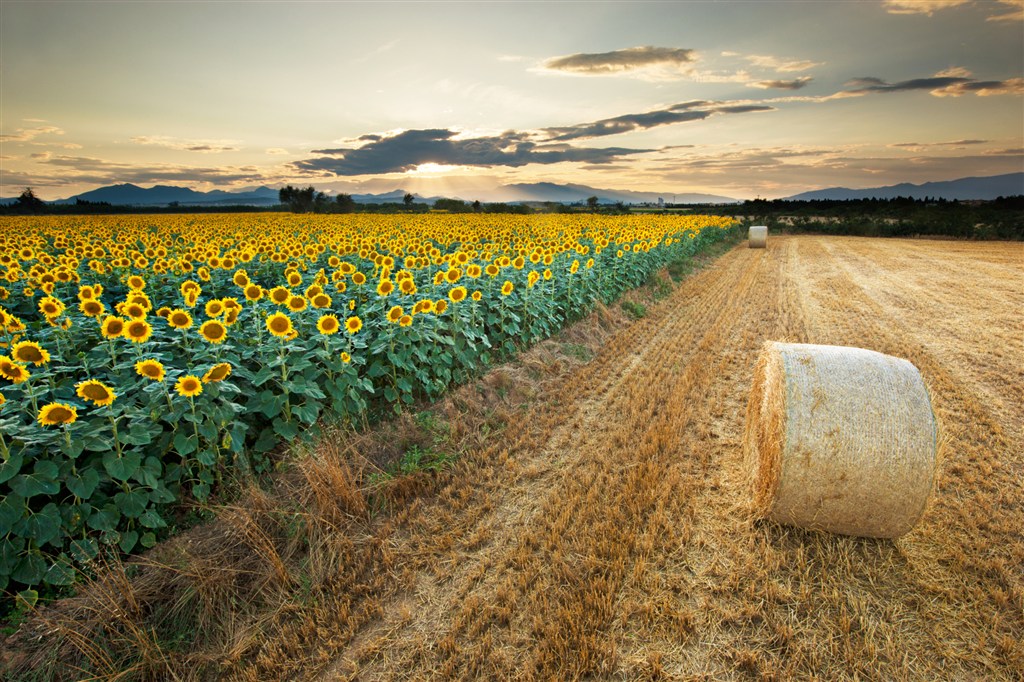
297, 303
218, 372
345, 357
321, 301
395, 314
476, 296
57, 414
138, 331
137, 283
280, 295
30, 351
134, 311
12, 371
253, 292
328, 324
112, 327
179, 319
358, 278
440, 307
213, 331
214, 308
280, 325
457, 294
240, 278
95, 392
405, 321
385, 287
189, 386
151, 369
507, 288
353, 324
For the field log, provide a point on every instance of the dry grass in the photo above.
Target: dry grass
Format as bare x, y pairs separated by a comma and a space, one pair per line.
597, 521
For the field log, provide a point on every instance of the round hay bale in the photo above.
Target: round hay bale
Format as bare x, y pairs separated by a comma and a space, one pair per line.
757, 236
839, 439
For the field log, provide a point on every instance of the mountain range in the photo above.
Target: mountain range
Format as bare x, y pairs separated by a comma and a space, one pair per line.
986, 189
983, 188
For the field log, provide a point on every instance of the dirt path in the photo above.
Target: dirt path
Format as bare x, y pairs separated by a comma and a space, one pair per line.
607, 536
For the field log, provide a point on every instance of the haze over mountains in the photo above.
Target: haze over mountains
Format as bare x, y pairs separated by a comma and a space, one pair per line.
978, 188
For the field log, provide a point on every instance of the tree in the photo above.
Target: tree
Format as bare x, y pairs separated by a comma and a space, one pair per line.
592, 203
28, 201
298, 200
345, 203
408, 199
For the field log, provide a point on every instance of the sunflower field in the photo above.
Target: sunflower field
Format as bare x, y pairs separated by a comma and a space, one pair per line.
144, 359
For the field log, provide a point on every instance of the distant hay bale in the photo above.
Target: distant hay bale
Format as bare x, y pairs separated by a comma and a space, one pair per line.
758, 236
839, 439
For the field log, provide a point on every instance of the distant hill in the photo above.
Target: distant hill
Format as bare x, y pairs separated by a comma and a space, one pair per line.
161, 195
986, 188
569, 194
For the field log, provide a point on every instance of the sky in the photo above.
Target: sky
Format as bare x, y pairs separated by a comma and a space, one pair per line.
735, 98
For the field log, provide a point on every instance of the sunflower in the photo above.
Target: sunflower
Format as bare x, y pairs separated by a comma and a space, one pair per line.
519, 262
112, 327
231, 316
137, 283
406, 321
253, 292
353, 325
179, 319
457, 294
135, 311
189, 386
294, 279
477, 296
163, 312
190, 286
240, 278
12, 371
440, 307
54, 414
4, 400
297, 303
280, 325
358, 278
51, 307
341, 287
30, 351
395, 314
426, 306
532, 278
218, 372
86, 292
138, 331
214, 308
96, 392
408, 286
474, 271
213, 331
280, 295
492, 270
345, 357
328, 324
547, 274
453, 275
385, 287
151, 369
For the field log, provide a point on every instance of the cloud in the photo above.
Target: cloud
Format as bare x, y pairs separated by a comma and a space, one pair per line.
1006, 10
677, 113
29, 134
67, 170
795, 84
202, 146
939, 86
276, 150
407, 150
781, 65
921, 146
646, 61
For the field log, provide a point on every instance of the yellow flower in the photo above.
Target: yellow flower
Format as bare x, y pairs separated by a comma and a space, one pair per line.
253, 292
280, 325
213, 331
4, 400
189, 386
218, 372
294, 279
138, 331
297, 304
395, 314
440, 307
112, 327
477, 296
473, 271
54, 414
96, 392
137, 283
353, 324
507, 288
385, 287
51, 307
321, 301
135, 311
240, 278
280, 295
358, 279
345, 357
492, 270
214, 308
151, 369
328, 324
457, 294
179, 319
90, 307
30, 351
12, 371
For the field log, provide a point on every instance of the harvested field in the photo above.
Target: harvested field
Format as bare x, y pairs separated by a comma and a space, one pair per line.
597, 525
610, 538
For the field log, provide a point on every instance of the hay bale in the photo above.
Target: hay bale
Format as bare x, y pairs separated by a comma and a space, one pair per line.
758, 236
839, 439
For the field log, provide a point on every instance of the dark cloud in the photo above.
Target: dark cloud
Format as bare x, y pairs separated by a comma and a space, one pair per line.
88, 170
620, 61
409, 149
951, 86
923, 145
795, 84
677, 113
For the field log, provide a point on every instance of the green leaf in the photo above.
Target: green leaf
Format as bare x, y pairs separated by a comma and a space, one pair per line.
10, 468
208, 430
121, 468
307, 412
262, 376
84, 549
27, 598
42, 481
132, 503
84, 483
30, 569
60, 572
151, 519
390, 394
206, 457
12, 508
148, 539
44, 525
74, 448
287, 430
104, 519
10, 553
129, 539
184, 443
